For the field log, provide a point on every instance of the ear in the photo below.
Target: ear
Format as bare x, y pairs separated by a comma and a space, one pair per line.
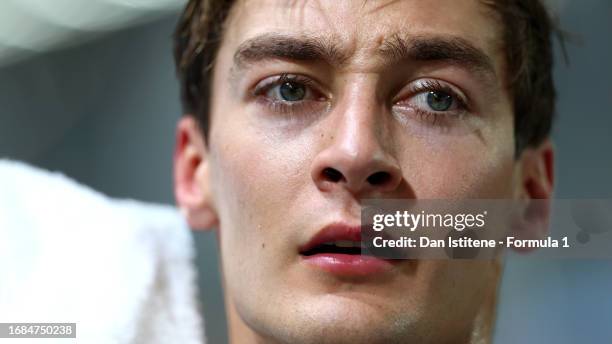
537, 171
534, 189
192, 176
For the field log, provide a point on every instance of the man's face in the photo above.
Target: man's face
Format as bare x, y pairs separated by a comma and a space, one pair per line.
317, 105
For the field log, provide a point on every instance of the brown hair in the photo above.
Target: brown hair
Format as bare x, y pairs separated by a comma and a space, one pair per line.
527, 31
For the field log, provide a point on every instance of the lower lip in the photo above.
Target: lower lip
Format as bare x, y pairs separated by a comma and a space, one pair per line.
349, 264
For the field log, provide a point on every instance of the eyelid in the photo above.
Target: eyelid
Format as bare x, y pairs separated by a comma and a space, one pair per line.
315, 102
266, 84
425, 85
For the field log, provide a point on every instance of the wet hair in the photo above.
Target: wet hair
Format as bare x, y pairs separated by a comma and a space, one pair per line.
527, 34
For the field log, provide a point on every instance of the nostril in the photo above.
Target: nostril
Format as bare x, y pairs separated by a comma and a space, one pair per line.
379, 178
332, 175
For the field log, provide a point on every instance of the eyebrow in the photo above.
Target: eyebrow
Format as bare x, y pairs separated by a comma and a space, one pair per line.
396, 48
455, 50
275, 46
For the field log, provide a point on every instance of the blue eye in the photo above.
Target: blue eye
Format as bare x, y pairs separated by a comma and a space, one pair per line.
433, 96
291, 91
434, 102
288, 88
439, 101
293, 94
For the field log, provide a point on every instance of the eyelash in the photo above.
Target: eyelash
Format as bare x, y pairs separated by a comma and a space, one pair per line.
287, 108
439, 118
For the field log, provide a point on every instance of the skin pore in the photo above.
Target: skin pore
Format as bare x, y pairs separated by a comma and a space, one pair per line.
398, 99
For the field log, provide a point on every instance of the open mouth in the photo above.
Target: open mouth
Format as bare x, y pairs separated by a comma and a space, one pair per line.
334, 239
335, 247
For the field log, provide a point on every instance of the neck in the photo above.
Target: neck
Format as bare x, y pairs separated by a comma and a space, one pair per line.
485, 319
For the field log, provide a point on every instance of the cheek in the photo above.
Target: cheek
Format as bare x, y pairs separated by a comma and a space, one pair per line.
257, 174
471, 282
466, 175
257, 181
242, 172
461, 167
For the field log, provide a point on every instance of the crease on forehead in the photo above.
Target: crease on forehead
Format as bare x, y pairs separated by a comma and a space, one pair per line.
396, 48
336, 47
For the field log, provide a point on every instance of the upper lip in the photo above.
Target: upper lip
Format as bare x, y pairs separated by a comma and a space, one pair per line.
333, 232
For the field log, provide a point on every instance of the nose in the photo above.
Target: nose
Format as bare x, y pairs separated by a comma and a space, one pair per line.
354, 157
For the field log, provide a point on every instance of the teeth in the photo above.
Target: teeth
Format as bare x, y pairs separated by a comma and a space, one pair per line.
344, 243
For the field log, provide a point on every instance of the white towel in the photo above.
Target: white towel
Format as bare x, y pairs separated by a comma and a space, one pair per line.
121, 270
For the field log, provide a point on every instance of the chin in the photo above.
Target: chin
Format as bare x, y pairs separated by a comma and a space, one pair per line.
345, 318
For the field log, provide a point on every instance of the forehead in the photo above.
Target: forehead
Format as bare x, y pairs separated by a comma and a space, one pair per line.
361, 26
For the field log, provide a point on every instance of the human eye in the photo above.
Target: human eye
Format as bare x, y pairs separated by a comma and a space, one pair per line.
289, 94
433, 102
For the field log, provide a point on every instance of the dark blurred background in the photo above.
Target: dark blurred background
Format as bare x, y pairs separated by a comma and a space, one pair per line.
100, 103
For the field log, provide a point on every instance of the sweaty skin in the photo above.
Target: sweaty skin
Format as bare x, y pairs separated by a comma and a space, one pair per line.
363, 109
